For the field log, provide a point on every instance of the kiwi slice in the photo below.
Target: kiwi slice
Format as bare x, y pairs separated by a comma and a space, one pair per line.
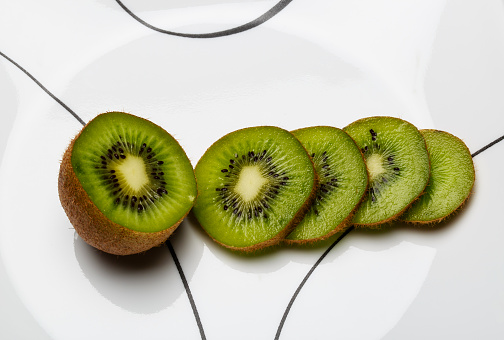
398, 166
343, 182
254, 185
451, 181
125, 183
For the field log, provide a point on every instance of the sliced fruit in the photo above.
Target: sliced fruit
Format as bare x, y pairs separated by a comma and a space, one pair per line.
398, 166
254, 185
343, 182
451, 180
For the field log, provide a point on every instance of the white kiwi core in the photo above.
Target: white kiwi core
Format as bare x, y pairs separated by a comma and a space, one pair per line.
250, 183
375, 166
133, 170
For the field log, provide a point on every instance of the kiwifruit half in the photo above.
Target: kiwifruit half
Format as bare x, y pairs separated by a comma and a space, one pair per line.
398, 166
451, 180
343, 182
125, 183
254, 185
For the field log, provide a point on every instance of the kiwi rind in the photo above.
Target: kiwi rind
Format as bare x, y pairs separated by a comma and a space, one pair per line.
92, 225
343, 182
385, 136
451, 181
236, 233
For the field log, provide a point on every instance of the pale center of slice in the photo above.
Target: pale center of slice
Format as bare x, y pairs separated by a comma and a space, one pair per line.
375, 166
249, 183
133, 170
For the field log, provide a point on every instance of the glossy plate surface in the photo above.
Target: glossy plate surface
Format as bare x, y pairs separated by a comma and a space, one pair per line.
437, 64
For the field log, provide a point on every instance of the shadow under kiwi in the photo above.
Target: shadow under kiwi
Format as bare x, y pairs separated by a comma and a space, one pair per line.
390, 234
380, 238
267, 260
143, 283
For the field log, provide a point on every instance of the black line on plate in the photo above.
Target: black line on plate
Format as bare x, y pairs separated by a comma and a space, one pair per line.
44, 88
296, 293
254, 23
188, 290
487, 146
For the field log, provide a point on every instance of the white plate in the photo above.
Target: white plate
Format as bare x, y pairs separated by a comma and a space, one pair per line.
436, 64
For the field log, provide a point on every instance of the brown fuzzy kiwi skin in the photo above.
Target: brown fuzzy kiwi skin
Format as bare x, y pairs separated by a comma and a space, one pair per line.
459, 208
436, 222
93, 226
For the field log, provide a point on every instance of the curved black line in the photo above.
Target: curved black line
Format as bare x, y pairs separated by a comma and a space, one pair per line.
44, 88
487, 146
254, 23
296, 293
170, 247
188, 290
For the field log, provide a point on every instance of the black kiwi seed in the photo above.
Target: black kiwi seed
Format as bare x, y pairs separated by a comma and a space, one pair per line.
373, 134
398, 167
258, 207
391, 172
115, 154
328, 179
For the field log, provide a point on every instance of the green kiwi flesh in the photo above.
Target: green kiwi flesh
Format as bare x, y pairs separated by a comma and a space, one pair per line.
254, 185
125, 183
343, 181
451, 181
398, 166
